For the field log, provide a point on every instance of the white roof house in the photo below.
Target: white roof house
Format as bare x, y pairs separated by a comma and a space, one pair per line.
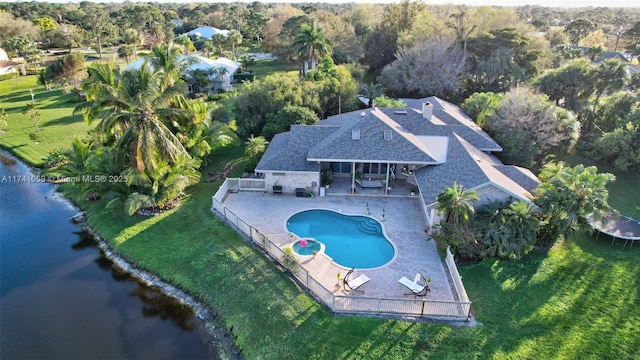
201, 63
206, 32
7, 66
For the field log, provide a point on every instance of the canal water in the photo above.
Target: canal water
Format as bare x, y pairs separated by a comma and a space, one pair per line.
61, 299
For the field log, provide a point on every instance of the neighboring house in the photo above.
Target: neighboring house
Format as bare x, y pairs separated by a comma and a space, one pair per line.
7, 66
431, 143
177, 22
206, 32
221, 76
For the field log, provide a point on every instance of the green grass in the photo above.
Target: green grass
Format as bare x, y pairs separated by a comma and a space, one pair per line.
264, 68
579, 300
58, 125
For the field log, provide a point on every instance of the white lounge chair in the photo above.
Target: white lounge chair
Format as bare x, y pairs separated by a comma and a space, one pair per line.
353, 282
419, 286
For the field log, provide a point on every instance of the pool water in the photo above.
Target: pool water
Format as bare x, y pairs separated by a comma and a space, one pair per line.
306, 250
351, 241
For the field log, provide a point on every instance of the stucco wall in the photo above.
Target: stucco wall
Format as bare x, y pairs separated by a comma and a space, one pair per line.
292, 180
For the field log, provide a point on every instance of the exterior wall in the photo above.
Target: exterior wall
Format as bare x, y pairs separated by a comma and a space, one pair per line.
292, 180
489, 194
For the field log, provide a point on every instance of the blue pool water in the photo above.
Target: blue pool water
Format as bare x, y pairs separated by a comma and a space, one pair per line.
352, 241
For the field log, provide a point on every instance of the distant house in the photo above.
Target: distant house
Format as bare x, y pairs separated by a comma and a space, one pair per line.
431, 144
7, 66
177, 22
206, 32
222, 78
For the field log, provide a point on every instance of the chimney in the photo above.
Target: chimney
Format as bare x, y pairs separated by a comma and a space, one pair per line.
427, 110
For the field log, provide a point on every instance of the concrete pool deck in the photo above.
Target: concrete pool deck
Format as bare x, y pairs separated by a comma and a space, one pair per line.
404, 226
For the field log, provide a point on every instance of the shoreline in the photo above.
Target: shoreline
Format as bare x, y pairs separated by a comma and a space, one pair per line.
219, 339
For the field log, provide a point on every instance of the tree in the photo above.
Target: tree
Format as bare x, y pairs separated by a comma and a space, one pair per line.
500, 60
611, 76
632, 35
506, 232
311, 43
570, 85
254, 148
594, 52
10, 27
3, 121
246, 60
165, 58
429, 68
126, 52
568, 195
481, 106
578, 29
595, 38
134, 108
289, 115
455, 204
528, 126
33, 112
556, 36
370, 91
234, 38
68, 72
186, 42
387, 102
459, 23
33, 56
134, 38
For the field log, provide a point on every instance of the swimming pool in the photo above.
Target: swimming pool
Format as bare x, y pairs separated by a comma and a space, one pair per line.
350, 240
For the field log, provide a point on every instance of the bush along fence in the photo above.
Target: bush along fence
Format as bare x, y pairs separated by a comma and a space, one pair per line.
411, 309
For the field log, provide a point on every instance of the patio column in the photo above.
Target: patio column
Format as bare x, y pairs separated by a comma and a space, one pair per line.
386, 182
353, 177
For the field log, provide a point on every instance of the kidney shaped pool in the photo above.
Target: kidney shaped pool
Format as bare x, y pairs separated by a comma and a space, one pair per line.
350, 240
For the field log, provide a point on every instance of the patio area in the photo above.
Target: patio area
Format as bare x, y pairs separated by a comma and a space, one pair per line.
404, 226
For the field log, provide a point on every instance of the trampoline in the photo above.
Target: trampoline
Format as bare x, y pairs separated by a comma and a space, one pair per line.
622, 227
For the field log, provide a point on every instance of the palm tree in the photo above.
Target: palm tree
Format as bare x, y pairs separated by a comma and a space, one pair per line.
234, 38
186, 42
133, 37
135, 107
611, 76
126, 52
254, 147
455, 204
310, 43
594, 51
166, 59
371, 91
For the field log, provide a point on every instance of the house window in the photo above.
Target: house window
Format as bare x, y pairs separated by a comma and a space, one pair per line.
387, 135
374, 169
341, 168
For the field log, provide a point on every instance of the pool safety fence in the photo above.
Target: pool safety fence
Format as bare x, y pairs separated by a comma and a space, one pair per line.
350, 304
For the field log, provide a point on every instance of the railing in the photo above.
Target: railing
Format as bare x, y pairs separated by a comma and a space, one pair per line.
455, 276
405, 308
245, 184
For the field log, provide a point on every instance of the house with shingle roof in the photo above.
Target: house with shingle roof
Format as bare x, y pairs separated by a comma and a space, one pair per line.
431, 144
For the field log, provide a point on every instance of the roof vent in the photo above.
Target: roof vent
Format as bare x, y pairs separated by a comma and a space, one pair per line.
387, 135
400, 112
362, 114
355, 134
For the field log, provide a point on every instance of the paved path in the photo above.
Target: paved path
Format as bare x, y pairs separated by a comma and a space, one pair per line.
404, 226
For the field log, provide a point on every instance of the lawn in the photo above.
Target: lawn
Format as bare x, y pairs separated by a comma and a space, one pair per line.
264, 68
579, 299
57, 125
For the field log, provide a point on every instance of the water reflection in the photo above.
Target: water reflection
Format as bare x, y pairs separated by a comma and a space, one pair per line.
61, 298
